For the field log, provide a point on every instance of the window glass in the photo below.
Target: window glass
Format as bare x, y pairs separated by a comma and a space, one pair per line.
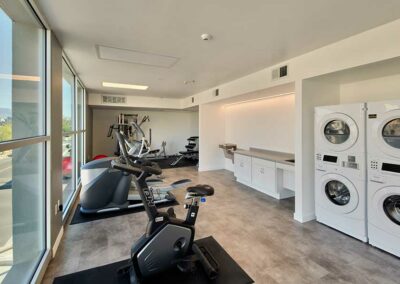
67, 169
22, 207
68, 91
22, 115
79, 110
22, 80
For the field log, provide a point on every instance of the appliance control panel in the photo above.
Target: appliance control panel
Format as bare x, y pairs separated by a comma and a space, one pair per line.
337, 161
350, 163
381, 169
374, 165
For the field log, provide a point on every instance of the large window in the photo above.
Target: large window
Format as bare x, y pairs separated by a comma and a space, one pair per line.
73, 132
22, 142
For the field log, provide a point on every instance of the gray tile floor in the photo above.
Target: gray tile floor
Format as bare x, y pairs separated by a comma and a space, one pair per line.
257, 231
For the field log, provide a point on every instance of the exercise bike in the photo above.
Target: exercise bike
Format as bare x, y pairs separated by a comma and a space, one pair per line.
168, 242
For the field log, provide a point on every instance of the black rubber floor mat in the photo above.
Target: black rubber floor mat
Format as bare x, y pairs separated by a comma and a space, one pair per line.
166, 163
229, 271
79, 217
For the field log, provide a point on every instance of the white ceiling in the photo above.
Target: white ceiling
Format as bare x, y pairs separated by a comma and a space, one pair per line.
248, 36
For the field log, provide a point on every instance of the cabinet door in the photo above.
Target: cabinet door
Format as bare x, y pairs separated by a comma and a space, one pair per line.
263, 176
243, 168
288, 180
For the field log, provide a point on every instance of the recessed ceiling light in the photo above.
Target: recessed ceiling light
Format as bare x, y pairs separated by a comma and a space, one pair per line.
125, 86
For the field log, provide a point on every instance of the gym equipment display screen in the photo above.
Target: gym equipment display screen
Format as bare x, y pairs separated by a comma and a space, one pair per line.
330, 159
391, 168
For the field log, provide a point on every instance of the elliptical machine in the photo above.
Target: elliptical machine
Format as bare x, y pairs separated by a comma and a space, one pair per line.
105, 189
168, 242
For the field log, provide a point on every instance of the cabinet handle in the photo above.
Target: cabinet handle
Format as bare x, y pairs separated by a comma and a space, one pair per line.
262, 170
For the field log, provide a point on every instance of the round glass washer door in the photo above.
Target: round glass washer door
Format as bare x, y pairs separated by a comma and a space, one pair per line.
385, 133
391, 207
337, 194
391, 133
385, 209
339, 132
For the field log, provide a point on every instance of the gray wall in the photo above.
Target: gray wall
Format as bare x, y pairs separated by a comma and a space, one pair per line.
56, 136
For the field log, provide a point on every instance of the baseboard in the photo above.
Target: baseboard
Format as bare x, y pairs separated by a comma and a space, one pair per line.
57, 242
303, 218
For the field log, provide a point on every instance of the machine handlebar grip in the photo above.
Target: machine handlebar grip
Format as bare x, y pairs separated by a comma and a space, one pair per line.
136, 168
125, 168
153, 169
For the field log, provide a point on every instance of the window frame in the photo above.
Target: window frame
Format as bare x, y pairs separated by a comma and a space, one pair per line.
44, 139
74, 133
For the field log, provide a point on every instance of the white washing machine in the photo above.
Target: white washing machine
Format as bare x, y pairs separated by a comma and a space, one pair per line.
383, 144
340, 174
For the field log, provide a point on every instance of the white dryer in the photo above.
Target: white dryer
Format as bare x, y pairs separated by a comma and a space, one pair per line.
383, 144
340, 174
340, 129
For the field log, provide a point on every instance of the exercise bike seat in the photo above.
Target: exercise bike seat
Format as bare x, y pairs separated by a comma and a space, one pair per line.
200, 190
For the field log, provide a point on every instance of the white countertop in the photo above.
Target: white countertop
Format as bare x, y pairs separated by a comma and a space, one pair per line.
274, 156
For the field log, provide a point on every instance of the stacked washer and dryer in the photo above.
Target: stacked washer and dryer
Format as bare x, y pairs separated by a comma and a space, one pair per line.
383, 138
363, 203
340, 174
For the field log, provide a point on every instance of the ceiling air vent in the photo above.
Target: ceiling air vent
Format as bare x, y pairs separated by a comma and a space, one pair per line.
113, 100
279, 72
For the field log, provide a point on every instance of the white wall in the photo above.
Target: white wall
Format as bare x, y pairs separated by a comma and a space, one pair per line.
174, 127
374, 89
211, 133
266, 124
314, 92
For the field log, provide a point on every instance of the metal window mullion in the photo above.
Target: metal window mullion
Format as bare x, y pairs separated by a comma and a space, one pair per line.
14, 144
68, 133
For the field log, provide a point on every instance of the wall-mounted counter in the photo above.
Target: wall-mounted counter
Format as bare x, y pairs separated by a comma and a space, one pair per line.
267, 171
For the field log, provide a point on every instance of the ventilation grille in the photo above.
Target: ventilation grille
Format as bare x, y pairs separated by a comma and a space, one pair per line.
113, 100
279, 72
